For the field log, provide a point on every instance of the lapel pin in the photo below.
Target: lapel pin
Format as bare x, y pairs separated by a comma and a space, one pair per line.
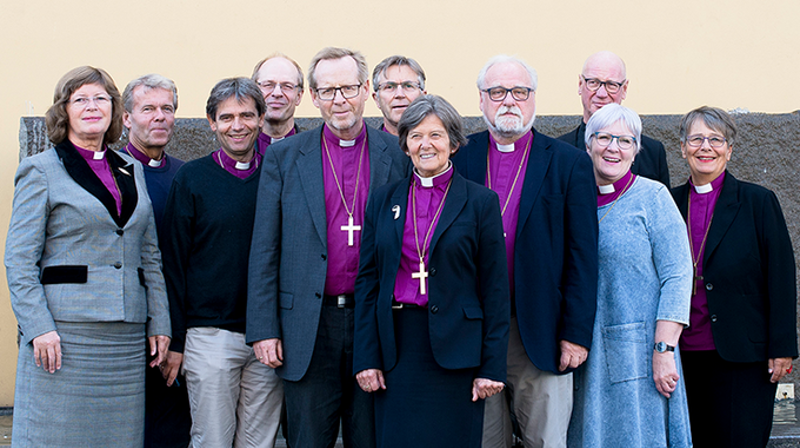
396, 210
122, 170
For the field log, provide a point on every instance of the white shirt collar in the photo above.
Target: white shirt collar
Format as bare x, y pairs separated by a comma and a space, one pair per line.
242, 166
428, 181
98, 155
346, 143
606, 189
703, 189
505, 148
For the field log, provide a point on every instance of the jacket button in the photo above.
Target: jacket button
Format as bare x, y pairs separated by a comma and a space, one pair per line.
120, 232
713, 318
118, 265
319, 296
324, 257
434, 309
433, 272
709, 286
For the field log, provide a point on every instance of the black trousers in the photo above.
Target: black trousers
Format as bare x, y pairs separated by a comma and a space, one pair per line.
167, 419
730, 403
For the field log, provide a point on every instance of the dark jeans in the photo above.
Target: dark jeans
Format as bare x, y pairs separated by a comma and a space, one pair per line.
329, 393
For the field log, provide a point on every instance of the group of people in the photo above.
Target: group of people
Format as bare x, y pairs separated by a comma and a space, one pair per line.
412, 285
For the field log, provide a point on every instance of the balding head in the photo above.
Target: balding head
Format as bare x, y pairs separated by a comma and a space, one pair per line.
602, 71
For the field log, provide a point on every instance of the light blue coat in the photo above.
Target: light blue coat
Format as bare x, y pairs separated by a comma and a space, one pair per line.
645, 276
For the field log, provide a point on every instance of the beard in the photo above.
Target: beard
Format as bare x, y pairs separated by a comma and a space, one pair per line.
509, 126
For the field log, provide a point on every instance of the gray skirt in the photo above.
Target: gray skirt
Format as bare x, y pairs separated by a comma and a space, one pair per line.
96, 399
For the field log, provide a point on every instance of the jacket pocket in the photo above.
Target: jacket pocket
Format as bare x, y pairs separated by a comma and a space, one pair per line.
286, 300
52, 275
626, 351
473, 312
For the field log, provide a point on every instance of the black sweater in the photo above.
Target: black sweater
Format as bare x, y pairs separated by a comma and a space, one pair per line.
208, 222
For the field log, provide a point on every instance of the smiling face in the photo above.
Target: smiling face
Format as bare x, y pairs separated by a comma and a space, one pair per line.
706, 163
89, 122
509, 118
237, 126
152, 118
281, 103
611, 162
393, 103
343, 116
429, 146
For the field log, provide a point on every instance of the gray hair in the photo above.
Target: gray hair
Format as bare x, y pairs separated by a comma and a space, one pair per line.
149, 82
240, 88
714, 117
502, 58
399, 60
610, 114
424, 106
329, 53
278, 54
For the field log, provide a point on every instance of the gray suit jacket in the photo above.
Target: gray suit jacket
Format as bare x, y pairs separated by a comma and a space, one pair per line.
288, 254
69, 257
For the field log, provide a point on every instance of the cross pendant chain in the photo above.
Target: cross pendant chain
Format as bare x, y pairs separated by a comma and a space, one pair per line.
350, 228
695, 278
421, 275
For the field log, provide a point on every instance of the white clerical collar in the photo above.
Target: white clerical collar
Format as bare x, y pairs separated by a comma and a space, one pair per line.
505, 148
98, 155
428, 181
347, 143
155, 163
243, 166
277, 139
703, 189
606, 189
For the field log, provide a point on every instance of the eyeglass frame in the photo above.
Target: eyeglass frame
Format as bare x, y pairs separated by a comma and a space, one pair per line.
339, 89
690, 137
614, 137
408, 86
83, 102
507, 91
618, 85
267, 90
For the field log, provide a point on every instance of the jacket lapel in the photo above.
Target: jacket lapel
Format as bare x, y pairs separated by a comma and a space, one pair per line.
309, 165
538, 163
724, 213
400, 199
379, 162
454, 202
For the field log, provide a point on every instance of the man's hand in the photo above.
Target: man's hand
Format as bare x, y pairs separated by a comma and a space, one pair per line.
171, 367
269, 352
572, 355
483, 388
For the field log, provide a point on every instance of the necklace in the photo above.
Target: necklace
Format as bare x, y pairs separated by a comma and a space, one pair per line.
350, 228
617, 199
423, 274
696, 259
513, 184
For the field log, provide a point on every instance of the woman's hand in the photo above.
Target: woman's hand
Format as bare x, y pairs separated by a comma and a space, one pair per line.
47, 351
158, 349
665, 374
778, 367
483, 388
370, 380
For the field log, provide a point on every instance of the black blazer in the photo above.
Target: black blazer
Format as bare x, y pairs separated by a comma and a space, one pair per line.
467, 284
555, 251
749, 273
651, 162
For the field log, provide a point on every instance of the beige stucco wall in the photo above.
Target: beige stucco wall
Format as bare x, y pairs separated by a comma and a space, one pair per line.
680, 54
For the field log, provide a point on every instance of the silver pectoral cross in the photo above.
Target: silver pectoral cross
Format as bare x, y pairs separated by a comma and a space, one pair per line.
421, 275
350, 228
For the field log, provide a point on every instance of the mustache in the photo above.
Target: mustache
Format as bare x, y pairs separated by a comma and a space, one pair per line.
513, 110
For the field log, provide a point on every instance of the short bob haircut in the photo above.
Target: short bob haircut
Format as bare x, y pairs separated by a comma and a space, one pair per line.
715, 118
148, 83
329, 53
610, 114
502, 59
57, 119
424, 106
240, 88
398, 60
300, 84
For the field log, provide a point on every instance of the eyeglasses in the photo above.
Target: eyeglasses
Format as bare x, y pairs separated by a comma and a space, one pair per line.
696, 141
268, 87
390, 87
99, 101
329, 93
624, 142
498, 93
594, 84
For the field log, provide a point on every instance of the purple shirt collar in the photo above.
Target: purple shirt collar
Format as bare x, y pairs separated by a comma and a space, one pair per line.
265, 140
607, 194
99, 164
142, 157
238, 169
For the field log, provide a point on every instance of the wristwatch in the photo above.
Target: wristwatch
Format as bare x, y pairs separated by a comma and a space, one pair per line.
662, 347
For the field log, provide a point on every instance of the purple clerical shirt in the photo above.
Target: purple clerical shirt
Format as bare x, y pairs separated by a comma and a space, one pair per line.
703, 199
99, 164
142, 158
238, 169
346, 155
607, 194
429, 195
504, 164
265, 140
